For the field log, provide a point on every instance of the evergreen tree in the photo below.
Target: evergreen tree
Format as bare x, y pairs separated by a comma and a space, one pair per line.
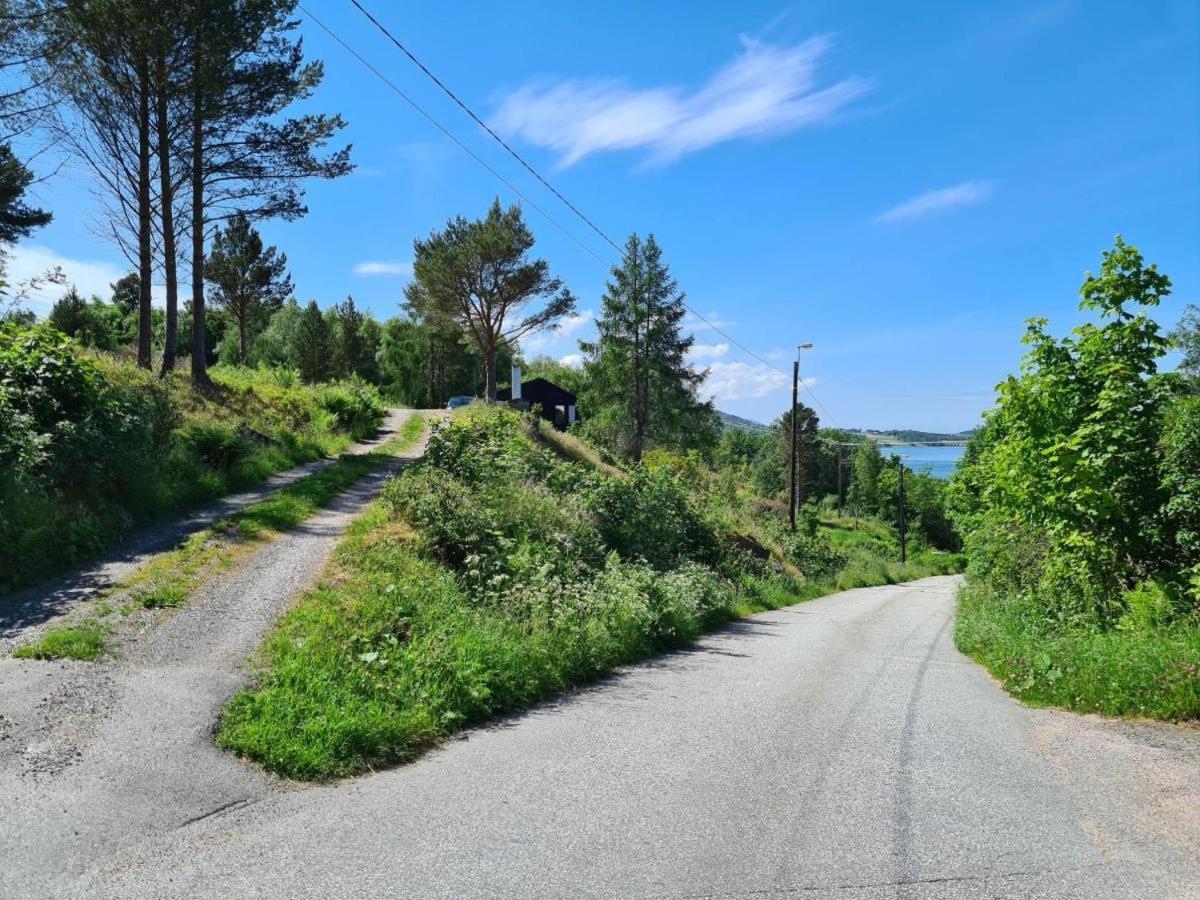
477, 277
244, 67
97, 61
250, 281
350, 353
70, 315
313, 344
17, 218
641, 389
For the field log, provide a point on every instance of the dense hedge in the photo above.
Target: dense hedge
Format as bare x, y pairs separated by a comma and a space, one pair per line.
90, 447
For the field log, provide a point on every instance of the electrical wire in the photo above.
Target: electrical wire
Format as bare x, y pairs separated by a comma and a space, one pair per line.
383, 29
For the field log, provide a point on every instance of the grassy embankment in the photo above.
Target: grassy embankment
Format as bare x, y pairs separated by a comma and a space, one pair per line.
1141, 667
92, 447
171, 577
491, 577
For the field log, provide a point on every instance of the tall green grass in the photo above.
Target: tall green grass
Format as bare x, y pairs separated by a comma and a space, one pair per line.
1151, 671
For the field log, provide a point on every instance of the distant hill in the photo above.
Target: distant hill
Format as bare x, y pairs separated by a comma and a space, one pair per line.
910, 436
729, 420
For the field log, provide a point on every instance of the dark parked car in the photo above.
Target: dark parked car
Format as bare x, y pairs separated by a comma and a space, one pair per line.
456, 402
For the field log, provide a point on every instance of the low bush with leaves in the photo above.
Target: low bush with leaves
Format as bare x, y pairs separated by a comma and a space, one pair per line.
1079, 504
89, 447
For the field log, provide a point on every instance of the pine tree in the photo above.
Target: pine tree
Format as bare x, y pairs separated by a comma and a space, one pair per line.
314, 344
478, 277
350, 351
641, 389
250, 281
244, 68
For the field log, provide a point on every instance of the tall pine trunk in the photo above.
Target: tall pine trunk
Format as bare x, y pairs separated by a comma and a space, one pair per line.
490, 371
242, 336
145, 260
199, 363
167, 195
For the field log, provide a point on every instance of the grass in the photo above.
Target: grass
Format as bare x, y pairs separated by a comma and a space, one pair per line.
171, 577
1145, 672
393, 651
84, 641
571, 448
389, 655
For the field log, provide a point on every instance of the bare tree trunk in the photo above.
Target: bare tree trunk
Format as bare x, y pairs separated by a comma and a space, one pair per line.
199, 363
242, 337
490, 371
145, 259
167, 212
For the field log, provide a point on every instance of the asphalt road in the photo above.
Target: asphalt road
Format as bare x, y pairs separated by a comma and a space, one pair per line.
840, 748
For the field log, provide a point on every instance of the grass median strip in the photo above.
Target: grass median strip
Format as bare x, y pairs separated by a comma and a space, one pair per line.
489, 578
171, 577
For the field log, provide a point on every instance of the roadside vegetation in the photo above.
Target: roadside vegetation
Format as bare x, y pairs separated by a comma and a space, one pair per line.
91, 446
1079, 502
171, 577
498, 573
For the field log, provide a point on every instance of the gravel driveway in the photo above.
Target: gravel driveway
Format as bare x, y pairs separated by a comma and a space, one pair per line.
24, 613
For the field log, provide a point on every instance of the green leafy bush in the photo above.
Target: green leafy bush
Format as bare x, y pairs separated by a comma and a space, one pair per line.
90, 447
649, 516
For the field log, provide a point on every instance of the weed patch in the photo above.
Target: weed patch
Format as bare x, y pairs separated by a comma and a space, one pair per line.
83, 641
492, 577
1152, 672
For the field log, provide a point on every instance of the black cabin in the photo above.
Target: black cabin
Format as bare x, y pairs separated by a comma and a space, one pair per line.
558, 405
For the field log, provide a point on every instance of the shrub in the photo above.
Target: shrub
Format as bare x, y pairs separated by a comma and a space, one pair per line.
356, 406
649, 516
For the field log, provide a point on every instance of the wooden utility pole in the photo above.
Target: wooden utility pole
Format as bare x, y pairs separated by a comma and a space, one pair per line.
792, 491
839, 467
903, 524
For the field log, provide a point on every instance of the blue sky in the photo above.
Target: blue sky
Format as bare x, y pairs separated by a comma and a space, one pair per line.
903, 190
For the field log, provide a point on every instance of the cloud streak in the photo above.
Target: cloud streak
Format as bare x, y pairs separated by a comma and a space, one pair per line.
765, 90
383, 267
932, 203
733, 380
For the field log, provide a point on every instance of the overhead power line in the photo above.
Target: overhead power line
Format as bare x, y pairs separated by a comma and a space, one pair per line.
386, 32
446, 131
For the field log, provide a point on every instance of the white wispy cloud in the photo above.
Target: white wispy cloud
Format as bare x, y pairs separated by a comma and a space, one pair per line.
91, 277
574, 322
708, 351
765, 90
931, 203
731, 381
572, 360
547, 341
383, 267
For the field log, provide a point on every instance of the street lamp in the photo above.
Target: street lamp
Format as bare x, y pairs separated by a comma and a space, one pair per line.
795, 389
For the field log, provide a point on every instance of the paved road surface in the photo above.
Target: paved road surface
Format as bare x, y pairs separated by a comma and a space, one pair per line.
840, 748
24, 614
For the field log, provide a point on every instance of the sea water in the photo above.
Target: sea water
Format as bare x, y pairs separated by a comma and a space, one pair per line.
937, 461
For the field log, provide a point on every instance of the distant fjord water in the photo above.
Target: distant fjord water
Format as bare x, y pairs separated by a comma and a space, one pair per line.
937, 461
